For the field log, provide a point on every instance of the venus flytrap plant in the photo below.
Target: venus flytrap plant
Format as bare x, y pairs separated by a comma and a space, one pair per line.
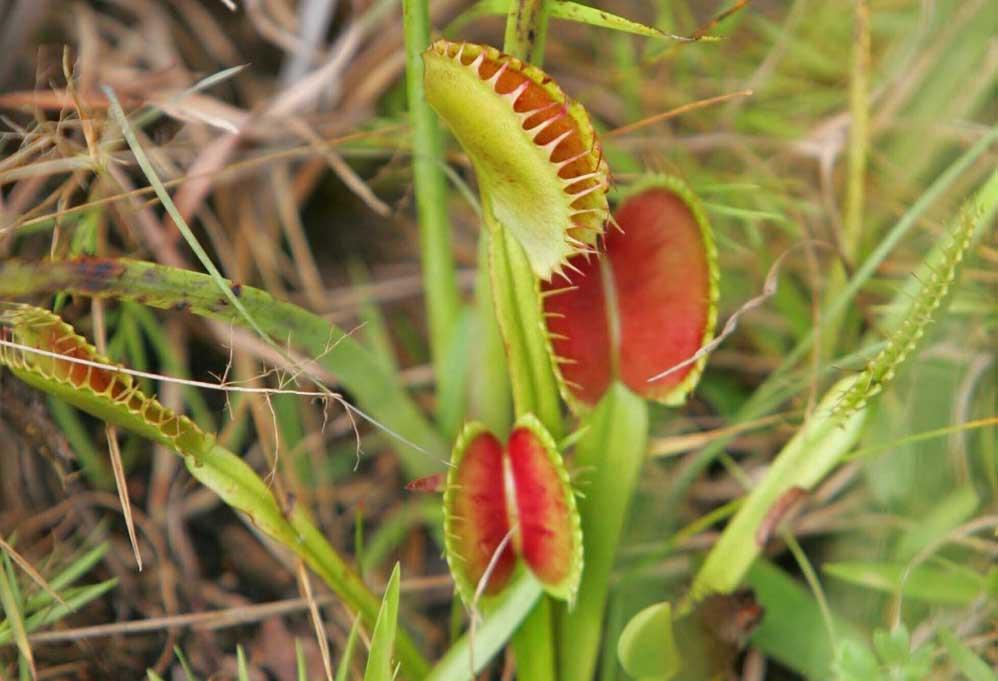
45, 352
543, 183
575, 322
376, 390
644, 305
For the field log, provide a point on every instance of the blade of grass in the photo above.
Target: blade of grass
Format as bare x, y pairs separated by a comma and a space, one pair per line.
964, 659
79, 567
14, 614
379, 660
74, 598
242, 671
952, 585
344, 668
29, 570
439, 276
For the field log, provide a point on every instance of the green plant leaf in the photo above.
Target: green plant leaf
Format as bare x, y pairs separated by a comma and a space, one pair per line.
642, 310
951, 511
609, 457
102, 390
518, 310
500, 619
242, 671
379, 660
964, 659
856, 662
343, 670
579, 13
10, 601
301, 665
954, 585
646, 647
892, 646
504, 502
793, 631
73, 598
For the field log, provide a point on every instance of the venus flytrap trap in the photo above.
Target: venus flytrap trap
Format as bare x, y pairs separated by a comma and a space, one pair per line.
504, 503
540, 168
643, 305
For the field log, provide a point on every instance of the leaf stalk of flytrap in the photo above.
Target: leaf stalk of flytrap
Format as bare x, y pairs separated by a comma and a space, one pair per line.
610, 454
161, 286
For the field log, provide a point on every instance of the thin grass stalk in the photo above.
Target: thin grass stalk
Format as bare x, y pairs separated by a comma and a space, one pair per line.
439, 276
859, 133
843, 332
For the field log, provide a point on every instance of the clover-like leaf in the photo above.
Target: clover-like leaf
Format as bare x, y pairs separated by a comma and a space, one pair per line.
505, 502
644, 306
540, 168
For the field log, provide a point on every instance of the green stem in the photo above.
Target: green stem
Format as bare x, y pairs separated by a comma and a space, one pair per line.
490, 393
611, 453
518, 309
439, 276
533, 643
526, 30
